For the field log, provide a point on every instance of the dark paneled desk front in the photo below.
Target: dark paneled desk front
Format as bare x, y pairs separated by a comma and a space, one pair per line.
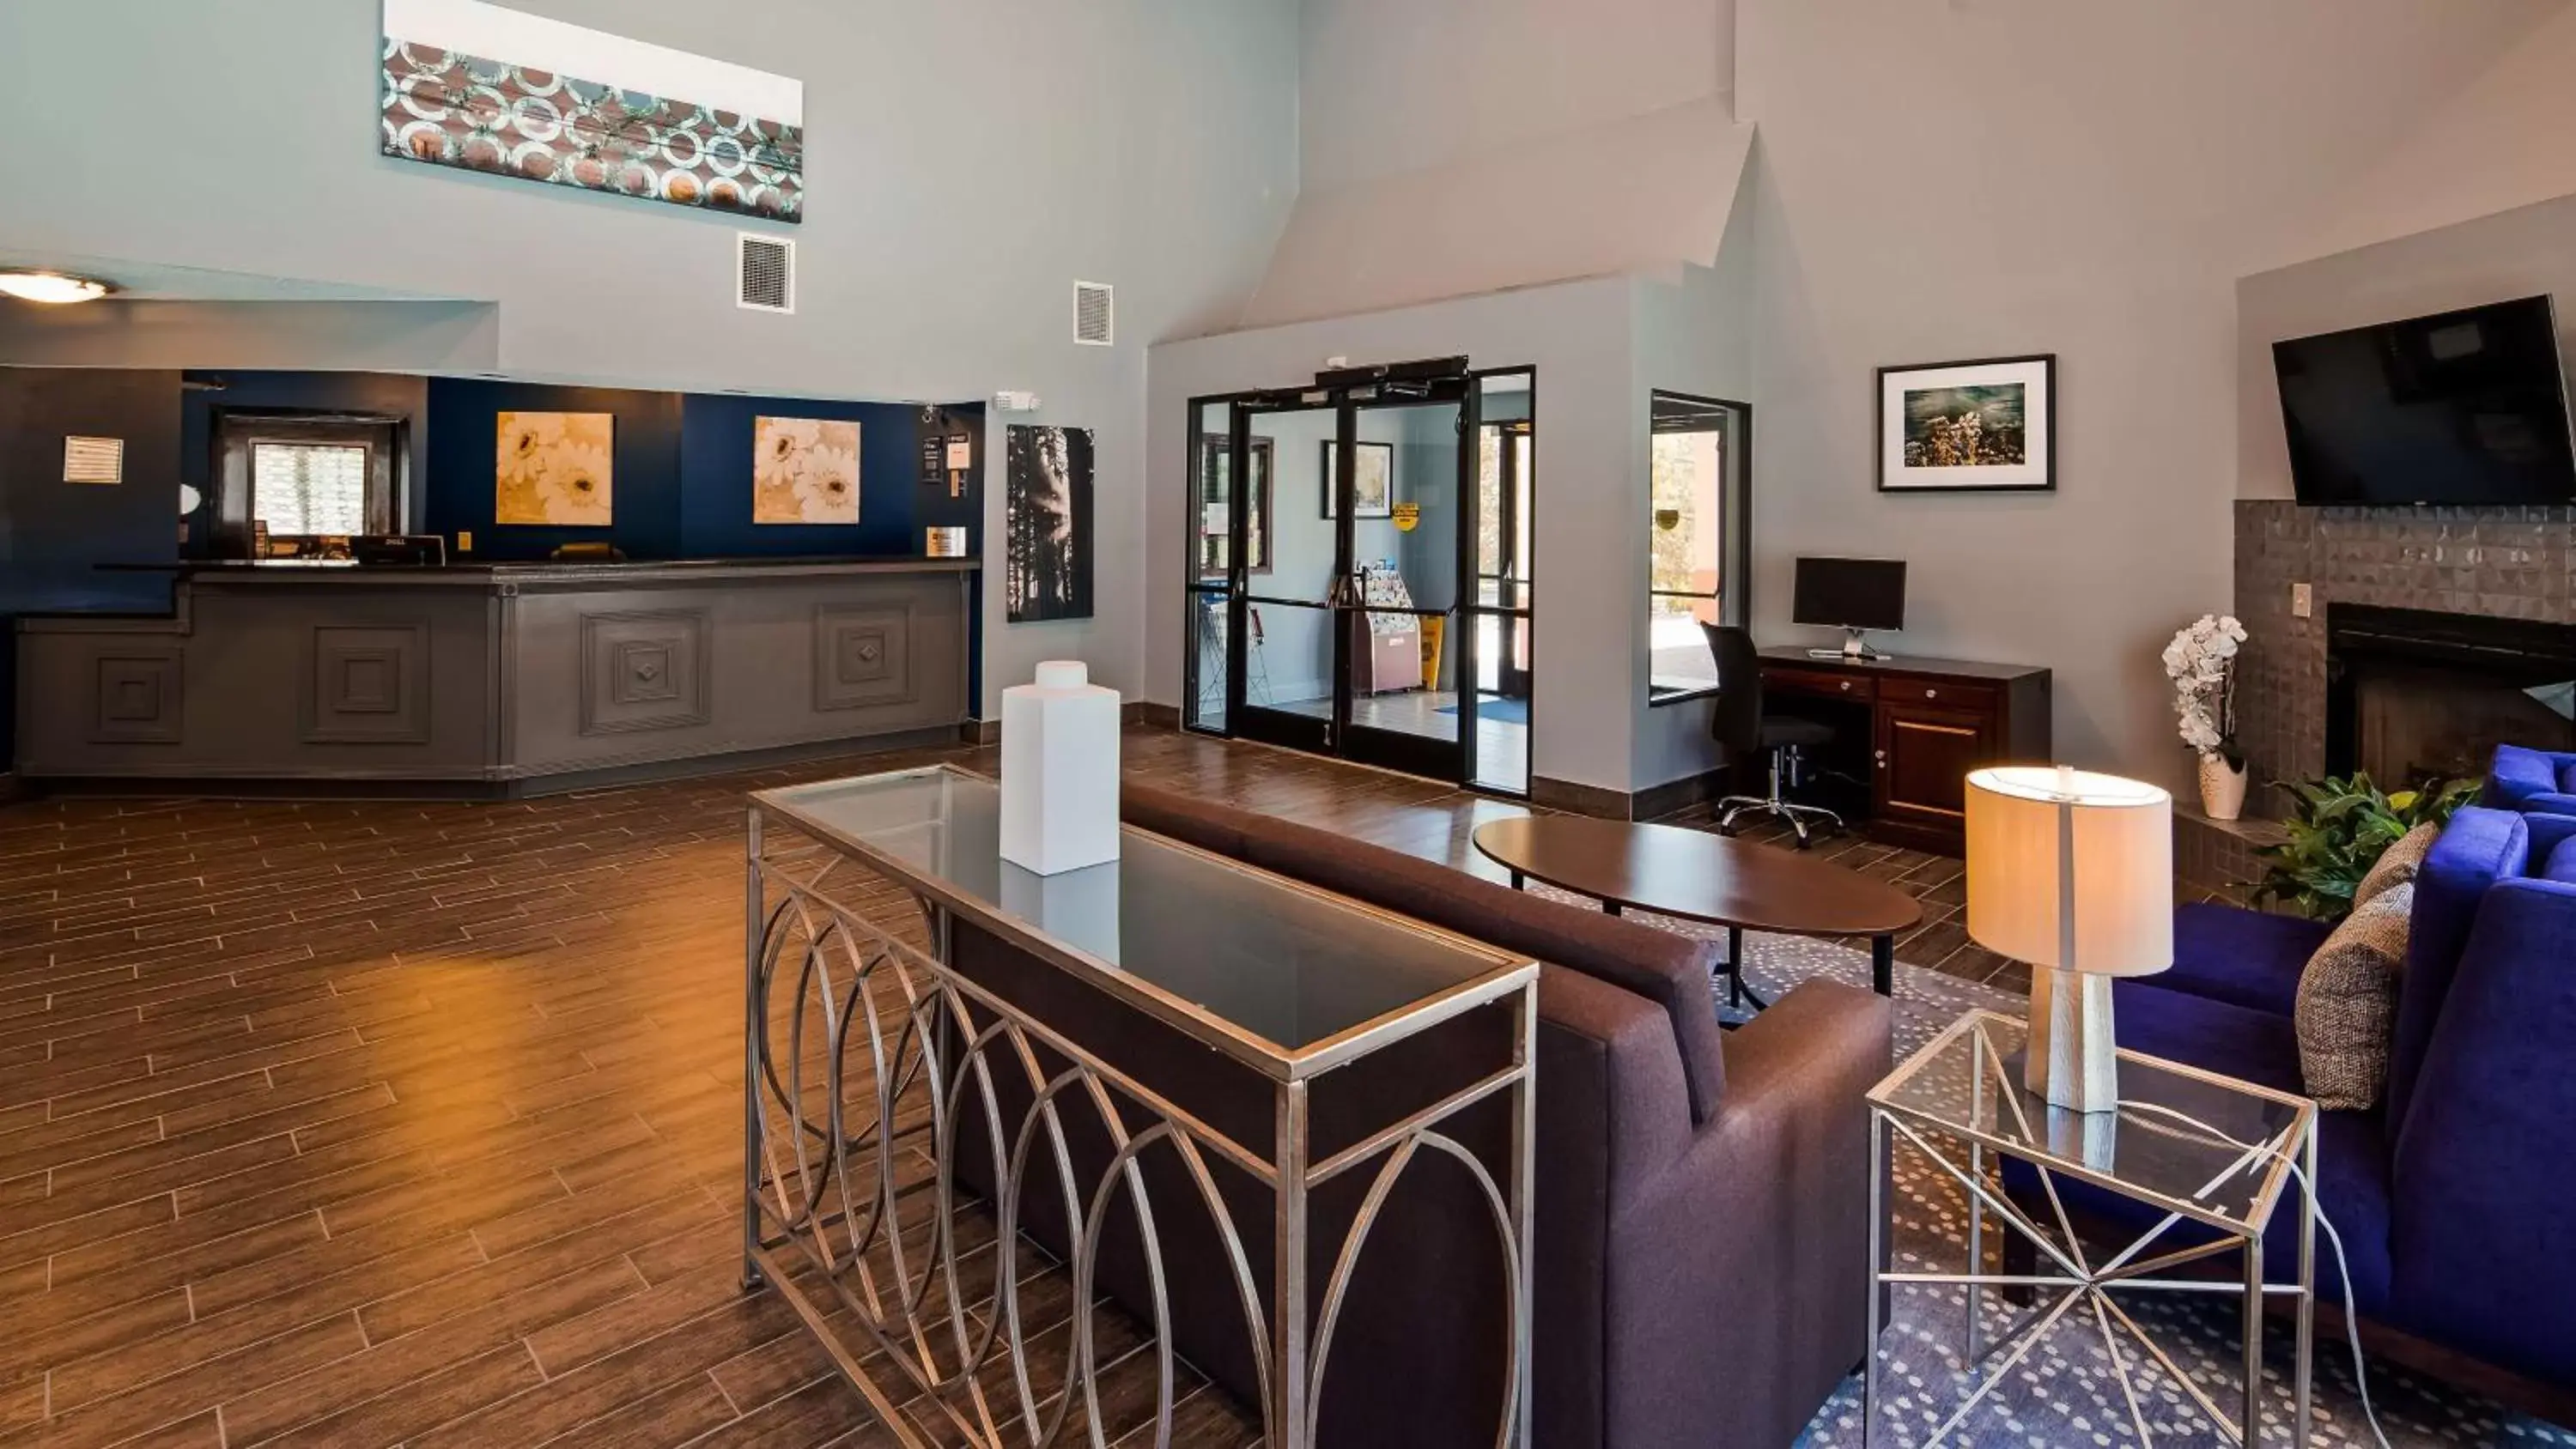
1908, 731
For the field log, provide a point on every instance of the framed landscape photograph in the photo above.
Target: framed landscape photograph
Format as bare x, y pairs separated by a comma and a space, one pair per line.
1968, 427
1373, 492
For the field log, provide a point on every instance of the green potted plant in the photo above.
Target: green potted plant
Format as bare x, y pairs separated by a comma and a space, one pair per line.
2337, 828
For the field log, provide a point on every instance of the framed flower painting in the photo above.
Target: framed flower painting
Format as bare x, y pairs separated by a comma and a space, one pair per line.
555, 468
804, 470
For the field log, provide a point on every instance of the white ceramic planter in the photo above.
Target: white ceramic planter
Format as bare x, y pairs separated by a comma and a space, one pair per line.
2222, 788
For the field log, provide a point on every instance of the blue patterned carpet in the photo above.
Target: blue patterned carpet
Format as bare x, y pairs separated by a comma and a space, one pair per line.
2065, 1392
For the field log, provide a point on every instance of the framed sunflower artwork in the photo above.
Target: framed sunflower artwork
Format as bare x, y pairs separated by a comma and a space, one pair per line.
555, 468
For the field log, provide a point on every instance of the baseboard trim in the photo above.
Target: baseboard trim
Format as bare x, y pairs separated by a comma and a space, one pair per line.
1650, 803
1656, 801
1598, 801
12, 789
984, 732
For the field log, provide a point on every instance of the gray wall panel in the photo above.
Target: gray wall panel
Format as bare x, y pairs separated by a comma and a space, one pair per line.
493, 675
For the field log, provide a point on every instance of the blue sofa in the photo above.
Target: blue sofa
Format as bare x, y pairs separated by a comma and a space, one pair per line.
2531, 780
2455, 1195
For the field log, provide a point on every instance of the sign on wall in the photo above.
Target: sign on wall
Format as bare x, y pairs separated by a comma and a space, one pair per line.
482, 88
93, 460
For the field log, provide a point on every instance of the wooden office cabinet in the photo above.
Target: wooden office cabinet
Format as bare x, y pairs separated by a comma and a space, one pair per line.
1916, 727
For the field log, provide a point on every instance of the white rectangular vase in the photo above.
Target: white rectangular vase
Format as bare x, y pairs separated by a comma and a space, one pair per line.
1059, 771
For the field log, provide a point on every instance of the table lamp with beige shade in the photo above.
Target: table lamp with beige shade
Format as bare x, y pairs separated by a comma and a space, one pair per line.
2071, 872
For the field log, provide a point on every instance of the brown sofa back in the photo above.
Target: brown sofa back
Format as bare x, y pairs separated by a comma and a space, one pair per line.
1669, 970
1696, 1283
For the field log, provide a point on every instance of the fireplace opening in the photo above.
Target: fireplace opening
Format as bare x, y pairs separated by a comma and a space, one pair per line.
2413, 694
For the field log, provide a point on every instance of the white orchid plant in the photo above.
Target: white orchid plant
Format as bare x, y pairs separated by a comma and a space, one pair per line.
2201, 662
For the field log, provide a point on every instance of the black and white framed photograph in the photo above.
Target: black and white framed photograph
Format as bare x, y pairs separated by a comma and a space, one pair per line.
1968, 427
1047, 520
1373, 489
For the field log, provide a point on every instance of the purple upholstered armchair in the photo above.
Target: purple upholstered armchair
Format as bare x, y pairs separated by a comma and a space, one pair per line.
2456, 1194
2531, 780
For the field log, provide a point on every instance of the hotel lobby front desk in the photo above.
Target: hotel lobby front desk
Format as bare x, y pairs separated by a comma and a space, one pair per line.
501, 679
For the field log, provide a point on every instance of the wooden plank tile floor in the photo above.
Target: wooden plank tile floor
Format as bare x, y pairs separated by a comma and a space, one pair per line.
370, 1123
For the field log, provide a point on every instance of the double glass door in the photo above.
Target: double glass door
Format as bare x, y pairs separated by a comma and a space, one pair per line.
1345, 600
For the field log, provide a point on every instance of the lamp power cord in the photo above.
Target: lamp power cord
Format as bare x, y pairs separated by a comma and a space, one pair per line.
2334, 1240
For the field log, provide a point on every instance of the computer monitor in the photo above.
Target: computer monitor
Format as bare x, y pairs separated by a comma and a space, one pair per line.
1854, 595
420, 549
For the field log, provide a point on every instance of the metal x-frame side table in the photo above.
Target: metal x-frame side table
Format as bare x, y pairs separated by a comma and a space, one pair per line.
2196, 1147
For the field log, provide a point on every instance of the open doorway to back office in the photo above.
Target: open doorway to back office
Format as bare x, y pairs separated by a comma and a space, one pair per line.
1362, 567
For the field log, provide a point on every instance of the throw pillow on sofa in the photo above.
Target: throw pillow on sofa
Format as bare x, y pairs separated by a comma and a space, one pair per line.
2397, 864
2347, 1006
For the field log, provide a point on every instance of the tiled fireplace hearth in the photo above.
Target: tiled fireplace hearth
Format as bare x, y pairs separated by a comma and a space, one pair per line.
2433, 642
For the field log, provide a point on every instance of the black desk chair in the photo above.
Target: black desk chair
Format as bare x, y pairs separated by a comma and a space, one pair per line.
1741, 728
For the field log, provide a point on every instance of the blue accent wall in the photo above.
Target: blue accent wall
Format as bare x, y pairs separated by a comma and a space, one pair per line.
894, 504
682, 486
644, 488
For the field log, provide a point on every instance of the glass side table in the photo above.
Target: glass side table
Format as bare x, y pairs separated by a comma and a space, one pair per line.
2194, 1146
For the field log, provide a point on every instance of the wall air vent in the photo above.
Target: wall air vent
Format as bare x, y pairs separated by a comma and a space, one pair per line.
1095, 314
764, 273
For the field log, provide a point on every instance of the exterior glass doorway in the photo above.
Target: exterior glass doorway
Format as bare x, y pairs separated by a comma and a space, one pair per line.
1360, 573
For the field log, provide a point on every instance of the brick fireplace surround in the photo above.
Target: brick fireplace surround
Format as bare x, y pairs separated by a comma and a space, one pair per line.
2511, 563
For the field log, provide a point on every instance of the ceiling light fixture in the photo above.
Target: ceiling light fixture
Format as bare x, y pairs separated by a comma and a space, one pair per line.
53, 287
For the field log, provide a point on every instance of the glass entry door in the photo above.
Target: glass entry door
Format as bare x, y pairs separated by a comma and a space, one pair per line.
1283, 684
1349, 632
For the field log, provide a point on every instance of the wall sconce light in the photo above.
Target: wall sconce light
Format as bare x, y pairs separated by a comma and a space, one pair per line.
56, 288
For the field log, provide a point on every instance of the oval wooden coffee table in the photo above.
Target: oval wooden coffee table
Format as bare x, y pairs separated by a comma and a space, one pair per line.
1700, 876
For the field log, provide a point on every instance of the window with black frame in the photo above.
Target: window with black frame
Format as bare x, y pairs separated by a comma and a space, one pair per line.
302, 477
1698, 538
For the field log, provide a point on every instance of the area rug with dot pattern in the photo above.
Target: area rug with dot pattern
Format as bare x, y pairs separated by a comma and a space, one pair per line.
2065, 1391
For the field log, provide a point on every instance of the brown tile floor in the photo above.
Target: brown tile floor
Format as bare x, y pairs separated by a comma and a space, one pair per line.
365, 1123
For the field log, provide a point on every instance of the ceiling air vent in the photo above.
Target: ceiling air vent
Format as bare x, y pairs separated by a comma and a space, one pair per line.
1095, 314
764, 273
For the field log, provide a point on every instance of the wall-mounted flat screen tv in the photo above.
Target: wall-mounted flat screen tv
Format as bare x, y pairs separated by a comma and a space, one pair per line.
2465, 408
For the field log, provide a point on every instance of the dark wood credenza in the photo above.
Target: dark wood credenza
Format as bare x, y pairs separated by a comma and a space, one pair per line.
1913, 729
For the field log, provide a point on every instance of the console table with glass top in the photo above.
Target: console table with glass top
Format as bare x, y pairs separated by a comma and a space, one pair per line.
2194, 1146
948, 1057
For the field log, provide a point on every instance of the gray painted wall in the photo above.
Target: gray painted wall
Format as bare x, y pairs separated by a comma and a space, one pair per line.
967, 161
2529, 251
1591, 510
2094, 194
1694, 335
